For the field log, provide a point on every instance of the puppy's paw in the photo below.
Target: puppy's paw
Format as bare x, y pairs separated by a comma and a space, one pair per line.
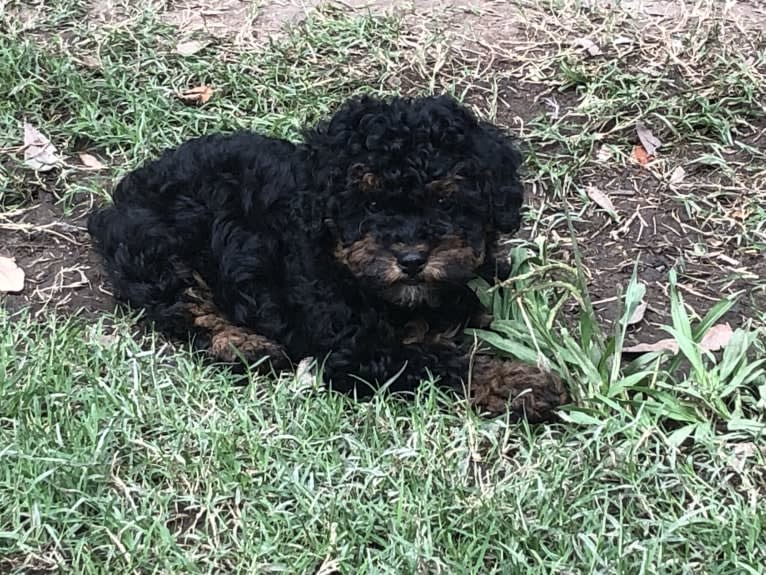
234, 343
498, 385
231, 343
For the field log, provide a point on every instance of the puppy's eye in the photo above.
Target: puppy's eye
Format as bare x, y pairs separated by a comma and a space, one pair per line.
373, 206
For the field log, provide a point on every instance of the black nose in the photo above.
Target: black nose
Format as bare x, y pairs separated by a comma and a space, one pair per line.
412, 262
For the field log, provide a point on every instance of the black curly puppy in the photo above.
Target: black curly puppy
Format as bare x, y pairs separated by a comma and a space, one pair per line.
354, 247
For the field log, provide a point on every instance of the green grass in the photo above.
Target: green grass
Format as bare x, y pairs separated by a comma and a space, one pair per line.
121, 453
125, 108
122, 457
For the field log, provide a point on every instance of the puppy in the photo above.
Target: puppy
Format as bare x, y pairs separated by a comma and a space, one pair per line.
354, 247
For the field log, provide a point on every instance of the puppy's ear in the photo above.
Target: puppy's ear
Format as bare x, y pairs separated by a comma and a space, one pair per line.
500, 161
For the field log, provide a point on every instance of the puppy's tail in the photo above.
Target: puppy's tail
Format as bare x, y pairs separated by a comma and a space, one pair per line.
143, 260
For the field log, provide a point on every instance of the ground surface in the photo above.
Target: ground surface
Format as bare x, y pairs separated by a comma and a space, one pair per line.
127, 455
709, 222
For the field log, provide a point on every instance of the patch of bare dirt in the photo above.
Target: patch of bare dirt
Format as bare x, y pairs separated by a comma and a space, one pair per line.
656, 229
695, 224
220, 18
247, 22
106, 11
62, 274
495, 42
749, 13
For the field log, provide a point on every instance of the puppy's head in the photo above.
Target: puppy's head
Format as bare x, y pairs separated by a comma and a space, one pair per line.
411, 193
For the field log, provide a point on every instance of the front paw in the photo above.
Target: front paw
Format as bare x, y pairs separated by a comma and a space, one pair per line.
499, 385
234, 343
231, 343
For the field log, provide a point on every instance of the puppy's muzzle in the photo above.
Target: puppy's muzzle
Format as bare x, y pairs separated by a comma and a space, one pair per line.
412, 262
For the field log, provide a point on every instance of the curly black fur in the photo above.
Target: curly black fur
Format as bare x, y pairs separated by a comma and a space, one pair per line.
355, 245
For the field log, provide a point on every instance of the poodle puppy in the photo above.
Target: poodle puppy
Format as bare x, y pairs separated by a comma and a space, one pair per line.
354, 246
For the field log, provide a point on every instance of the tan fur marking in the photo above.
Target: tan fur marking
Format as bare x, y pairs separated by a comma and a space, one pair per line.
399, 247
360, 175
365, 257
411, 295
357, 254
443, 188
392, 273
499, 384
232, 339
227, 340
370, 182
418, 331
451, 251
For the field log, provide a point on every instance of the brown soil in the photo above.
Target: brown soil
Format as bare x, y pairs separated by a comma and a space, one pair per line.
249, 22
62, 273
655, 230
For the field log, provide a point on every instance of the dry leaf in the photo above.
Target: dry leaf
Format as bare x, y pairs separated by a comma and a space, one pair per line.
190, 47
740, 214
650, 142
11, 276
90, 61
741, 452
638, 313
305, 376
639, 155
717, 337
98, 336
588, 45
39, 154
670, 345
106, 339
601, 199
677, 176
91, 162
197, 95
604, 154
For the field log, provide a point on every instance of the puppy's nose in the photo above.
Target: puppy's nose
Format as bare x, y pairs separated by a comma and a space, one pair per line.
412, 262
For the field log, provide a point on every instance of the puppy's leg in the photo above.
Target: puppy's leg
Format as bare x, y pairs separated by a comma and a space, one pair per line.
145, 262
237, 316
247, 284
224, 340
362, 367
497, 385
